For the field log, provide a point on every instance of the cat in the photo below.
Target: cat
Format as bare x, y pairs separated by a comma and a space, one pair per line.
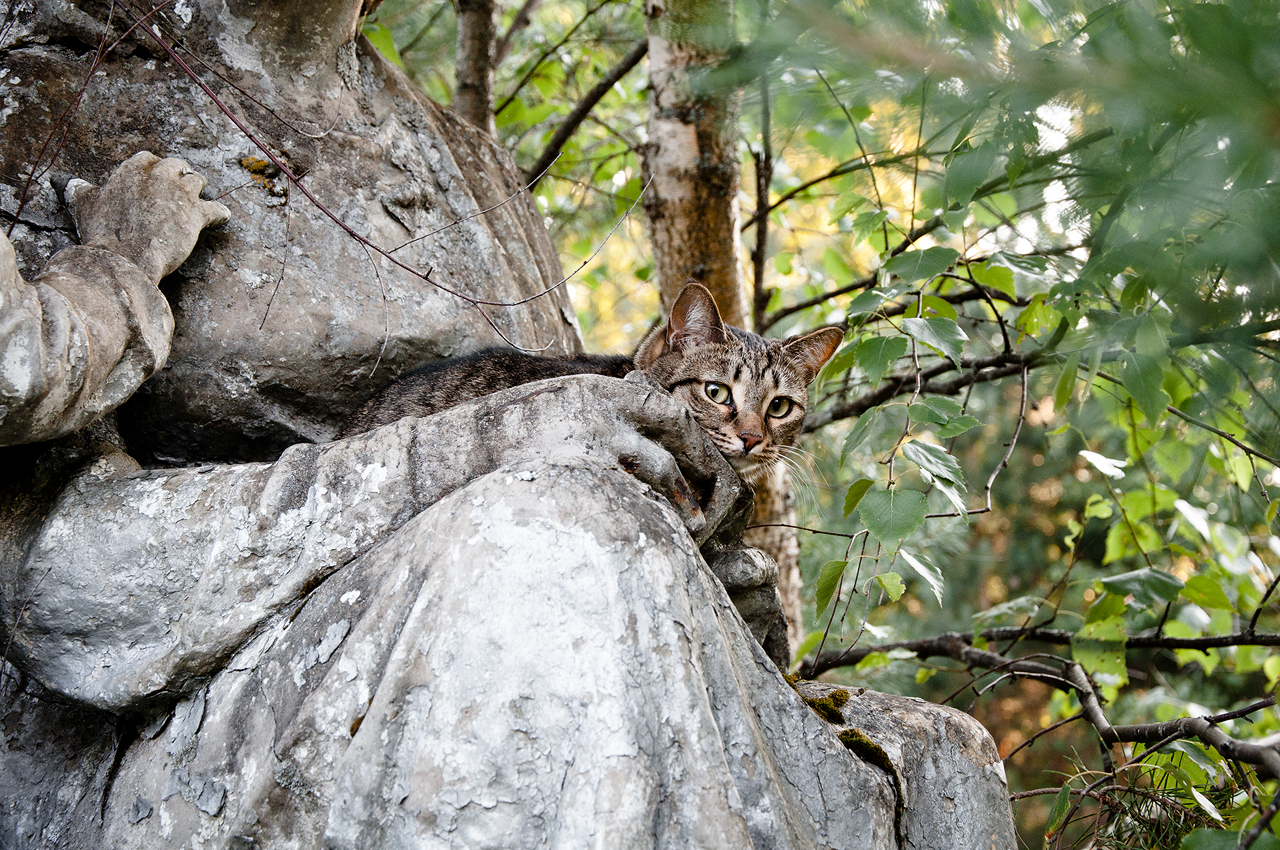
747, 392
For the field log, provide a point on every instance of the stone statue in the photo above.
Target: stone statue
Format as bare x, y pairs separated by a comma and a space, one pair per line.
504, 625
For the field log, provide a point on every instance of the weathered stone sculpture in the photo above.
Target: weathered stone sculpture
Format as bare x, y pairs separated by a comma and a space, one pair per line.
488, 628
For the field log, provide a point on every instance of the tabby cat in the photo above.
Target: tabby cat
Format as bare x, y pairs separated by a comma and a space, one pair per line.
747, 392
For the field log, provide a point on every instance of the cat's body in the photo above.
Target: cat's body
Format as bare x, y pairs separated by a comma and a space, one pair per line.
747, 392
438, 386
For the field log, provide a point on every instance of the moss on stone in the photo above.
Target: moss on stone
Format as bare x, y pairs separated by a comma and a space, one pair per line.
828, 707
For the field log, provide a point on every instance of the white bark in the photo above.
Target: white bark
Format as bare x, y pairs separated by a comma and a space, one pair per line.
692, 201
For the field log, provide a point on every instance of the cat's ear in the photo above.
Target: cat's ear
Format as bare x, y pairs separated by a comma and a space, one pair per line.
694, 320
812, 351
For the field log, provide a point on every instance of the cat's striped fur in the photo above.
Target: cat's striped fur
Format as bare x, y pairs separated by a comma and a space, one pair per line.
747, 392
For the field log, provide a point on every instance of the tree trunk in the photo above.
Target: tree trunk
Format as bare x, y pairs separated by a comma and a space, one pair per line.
775, 511
473, 99
692, 204
692, 156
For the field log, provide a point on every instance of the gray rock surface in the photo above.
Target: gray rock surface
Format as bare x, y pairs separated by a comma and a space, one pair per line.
139, 585
243, 382
948, 776
579, 610
438, 635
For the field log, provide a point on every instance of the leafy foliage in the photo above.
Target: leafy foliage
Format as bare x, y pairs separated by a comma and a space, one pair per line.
1051, 230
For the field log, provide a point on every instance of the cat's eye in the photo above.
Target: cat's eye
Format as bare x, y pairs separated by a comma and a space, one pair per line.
780, 406
718, 393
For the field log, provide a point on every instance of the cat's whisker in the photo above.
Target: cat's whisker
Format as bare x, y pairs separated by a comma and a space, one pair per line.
801, 486
801, 459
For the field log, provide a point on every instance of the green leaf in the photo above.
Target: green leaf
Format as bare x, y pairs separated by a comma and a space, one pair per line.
891, 515
934, 460
1206, 766
1271, 667
1207, 593
845, 203
996, 277
1150, 587
966, 173
943, 411
380, 37
942, 335
864, 224
936, 409
1100, 646
866, 302
892, 584
857, 490
828, 581
1121, 542
957, 426
1107, 606
866, 422
1149, 339
782, 262
842, 361
1251, 658
1019, 609
1061, 805
912, 266
1036, 316
835, 265
1096, 507
931, 574
1066, 382
872, 662
876, 355
939, 306
811, 640
1141, 504
1224, 839
1141, 376
921, 412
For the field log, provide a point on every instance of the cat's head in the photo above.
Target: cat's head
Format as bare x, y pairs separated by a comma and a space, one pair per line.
749, 393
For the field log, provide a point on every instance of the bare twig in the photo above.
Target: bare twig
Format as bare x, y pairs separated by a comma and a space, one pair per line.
346, 228
764, 178
475, 214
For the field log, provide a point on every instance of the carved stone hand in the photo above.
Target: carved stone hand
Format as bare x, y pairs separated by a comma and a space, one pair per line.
149, 212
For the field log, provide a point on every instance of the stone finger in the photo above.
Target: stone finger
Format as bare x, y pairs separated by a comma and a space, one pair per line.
214, 213
654, 465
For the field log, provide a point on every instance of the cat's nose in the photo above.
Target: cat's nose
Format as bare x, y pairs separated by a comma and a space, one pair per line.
750, 440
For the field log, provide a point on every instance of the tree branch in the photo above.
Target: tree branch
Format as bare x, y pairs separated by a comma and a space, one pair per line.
583, 109
533, 69
978, 370
946, 644
519, 22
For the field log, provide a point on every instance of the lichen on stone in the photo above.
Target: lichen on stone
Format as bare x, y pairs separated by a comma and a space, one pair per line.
263, 172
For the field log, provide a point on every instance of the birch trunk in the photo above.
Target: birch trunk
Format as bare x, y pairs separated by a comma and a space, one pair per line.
692, 204
692, 156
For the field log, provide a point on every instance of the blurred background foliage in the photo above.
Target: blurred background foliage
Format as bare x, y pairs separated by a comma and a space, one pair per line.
1051, 229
